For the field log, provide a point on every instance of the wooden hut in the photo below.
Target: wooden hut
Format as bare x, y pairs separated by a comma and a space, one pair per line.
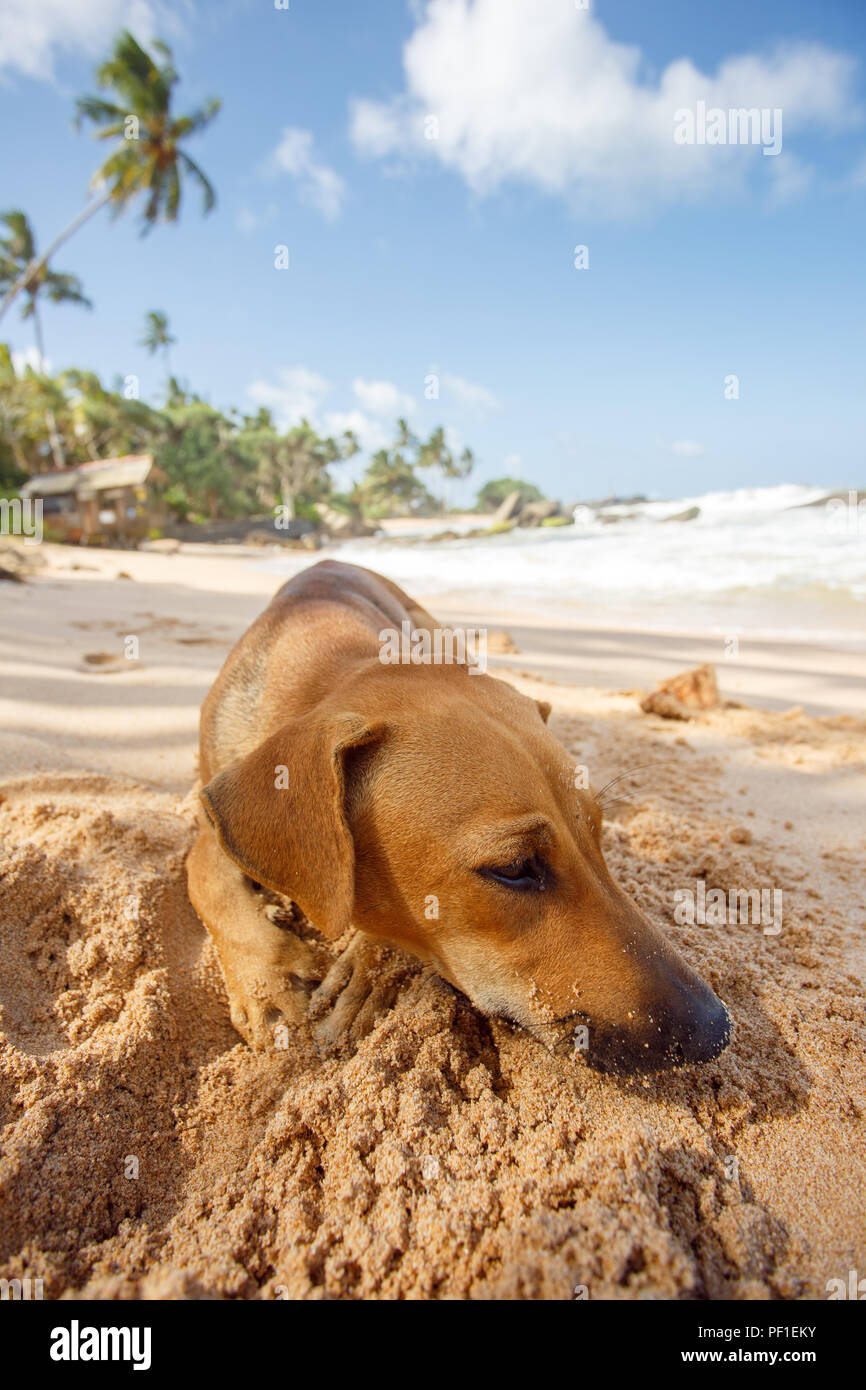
100, 503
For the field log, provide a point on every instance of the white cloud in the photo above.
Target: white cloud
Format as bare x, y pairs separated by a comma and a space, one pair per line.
540, 94
469, 393
320, 186
382, 398
300, 394
296, 395
248, 221
34, 33
369, 433
687, 448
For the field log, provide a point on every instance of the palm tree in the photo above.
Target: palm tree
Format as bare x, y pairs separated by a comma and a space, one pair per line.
149, 158
391, 487
293, 464
157, 335
17, 252
27, 401
435, 453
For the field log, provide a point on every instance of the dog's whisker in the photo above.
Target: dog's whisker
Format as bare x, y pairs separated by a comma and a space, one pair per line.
566, 1018
641, 767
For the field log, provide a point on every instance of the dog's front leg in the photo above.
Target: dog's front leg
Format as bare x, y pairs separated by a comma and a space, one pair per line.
267, 970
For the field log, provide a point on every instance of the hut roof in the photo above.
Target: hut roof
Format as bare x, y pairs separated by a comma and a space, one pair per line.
131, 470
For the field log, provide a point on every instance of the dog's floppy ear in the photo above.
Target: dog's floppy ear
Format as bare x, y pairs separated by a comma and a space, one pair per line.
544, 708
280, 814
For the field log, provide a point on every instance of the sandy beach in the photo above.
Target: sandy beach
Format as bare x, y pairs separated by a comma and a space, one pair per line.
145, 1151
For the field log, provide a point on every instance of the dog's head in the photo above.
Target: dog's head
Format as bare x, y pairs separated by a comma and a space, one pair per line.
435, 810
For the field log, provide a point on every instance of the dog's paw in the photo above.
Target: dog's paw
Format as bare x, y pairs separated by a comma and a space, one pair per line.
259, 1020
343, 1003
266, 996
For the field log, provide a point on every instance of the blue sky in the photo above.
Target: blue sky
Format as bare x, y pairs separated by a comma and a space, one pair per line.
453, 256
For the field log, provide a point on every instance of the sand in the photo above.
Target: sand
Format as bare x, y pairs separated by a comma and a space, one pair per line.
145, 1151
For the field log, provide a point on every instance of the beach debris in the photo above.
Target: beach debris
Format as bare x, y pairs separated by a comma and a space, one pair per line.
15, 562
501, 644
106, 663
508, 508
163, 545
534, 513
684, 695
343, 525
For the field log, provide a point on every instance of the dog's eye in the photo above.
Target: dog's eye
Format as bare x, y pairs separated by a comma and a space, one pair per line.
524, 874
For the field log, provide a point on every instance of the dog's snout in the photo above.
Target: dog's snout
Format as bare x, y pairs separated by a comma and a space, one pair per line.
693, 1027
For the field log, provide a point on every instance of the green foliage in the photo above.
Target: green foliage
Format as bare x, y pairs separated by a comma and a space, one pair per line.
157, 336
11, 476
494, 493
391, 485
291, 469
149, 159
17, 250
216, 465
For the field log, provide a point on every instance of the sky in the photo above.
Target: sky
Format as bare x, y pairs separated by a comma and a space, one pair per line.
431, 169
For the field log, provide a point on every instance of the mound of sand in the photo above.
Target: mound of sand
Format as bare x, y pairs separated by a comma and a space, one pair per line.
146, 1152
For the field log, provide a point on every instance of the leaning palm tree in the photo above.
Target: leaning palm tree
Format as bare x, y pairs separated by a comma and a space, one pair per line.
149, 158
157, 336
17, 252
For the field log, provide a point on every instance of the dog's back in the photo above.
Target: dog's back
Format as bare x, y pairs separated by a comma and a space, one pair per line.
323, 620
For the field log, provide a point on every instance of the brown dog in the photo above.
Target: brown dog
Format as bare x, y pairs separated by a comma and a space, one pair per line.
430, 808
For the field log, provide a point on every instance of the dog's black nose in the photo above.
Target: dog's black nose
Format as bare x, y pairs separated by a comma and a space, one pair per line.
697, 1030
709, 1032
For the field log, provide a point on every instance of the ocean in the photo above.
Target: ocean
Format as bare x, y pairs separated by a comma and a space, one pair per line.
754, 560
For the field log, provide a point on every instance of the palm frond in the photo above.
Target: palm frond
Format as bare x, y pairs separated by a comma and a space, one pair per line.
65, 289
95, 109
132, 72
204, 183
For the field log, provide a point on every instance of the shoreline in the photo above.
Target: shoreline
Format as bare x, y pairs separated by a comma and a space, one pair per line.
557, 645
